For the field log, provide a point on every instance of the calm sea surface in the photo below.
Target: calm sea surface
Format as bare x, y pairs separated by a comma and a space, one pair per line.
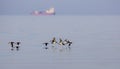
96, 42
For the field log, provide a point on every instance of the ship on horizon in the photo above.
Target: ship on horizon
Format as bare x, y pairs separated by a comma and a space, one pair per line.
50, 11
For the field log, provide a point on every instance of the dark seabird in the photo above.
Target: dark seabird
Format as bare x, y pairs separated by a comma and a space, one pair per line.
12, 44
18, 43
46, 43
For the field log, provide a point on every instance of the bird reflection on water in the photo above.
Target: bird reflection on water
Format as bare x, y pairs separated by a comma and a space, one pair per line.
57, 48
17, 48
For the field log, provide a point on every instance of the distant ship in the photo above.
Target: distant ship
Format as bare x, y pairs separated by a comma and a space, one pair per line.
50, 11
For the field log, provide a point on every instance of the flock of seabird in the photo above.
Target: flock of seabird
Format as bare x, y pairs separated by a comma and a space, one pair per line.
66, 42
14, 45
60, 42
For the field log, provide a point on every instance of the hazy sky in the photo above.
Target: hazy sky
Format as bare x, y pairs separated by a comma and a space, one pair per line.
61, 6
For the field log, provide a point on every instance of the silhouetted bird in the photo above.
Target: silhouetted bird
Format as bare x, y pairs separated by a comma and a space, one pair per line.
12, 44
18, 43
45, 43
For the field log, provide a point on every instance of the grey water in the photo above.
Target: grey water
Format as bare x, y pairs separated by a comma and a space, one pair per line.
96, 42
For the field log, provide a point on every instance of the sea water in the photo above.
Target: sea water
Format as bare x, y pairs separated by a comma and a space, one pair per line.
95, 42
